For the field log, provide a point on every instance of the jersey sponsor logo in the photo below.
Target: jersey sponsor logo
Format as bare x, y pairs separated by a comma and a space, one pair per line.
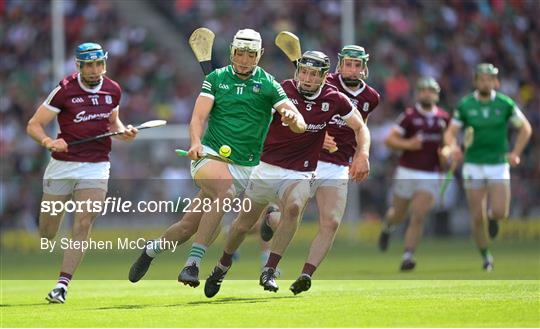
337, 120
325, 107
315, 127
354, 101
77, 100
81, 117
108, 99
417, 121
222, 86
431, 137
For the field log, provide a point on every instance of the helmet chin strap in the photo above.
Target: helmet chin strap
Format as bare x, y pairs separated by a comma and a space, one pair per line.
351, 82
426, 105
243, 74
91, 83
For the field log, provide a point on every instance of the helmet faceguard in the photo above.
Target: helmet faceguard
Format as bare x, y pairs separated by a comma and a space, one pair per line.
246, 40
486, 86
427, 101
355, 53
311, 62
88, 53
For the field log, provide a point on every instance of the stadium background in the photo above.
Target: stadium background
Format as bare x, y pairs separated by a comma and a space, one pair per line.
160, 79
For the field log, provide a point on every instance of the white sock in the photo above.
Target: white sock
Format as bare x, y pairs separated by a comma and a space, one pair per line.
264, 257
196, 254
153, 248
407, 255
61, 285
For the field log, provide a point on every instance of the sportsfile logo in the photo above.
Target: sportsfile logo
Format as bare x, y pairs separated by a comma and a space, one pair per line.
119, 205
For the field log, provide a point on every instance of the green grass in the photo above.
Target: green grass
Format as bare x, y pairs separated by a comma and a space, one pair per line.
356, 286
242, 303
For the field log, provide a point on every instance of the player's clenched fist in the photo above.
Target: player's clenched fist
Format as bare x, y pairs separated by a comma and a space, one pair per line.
55, 145
359, 169
513, 159
195, 151
130, 133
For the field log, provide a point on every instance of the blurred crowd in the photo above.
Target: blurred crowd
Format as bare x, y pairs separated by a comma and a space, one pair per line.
405, 40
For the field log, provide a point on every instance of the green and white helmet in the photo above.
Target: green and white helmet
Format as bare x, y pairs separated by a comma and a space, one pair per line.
354, 52
249, 40
486, 68
428, 83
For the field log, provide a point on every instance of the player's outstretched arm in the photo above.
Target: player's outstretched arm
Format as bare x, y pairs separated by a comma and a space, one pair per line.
292, 117
35, 129
360, 165
130, 132
524, 134
203, 106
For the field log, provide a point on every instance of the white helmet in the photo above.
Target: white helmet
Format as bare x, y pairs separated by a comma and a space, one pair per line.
249, 40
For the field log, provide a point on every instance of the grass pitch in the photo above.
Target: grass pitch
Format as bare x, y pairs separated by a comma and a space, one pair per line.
242, 303
356, 286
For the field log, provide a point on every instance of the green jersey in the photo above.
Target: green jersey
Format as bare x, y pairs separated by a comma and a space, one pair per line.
242, 112
488, 123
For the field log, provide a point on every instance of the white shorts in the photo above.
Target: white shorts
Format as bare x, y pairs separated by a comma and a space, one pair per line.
481, 175
408, 181
240, 174
63, 177
268, 183
330, 175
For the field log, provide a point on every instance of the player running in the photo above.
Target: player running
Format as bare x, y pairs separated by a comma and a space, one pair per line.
85, 104
332, 173
486, 173
419, 135
288, 164
237, 101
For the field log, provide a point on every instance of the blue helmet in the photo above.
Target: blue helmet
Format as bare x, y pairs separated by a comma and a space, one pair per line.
89, 52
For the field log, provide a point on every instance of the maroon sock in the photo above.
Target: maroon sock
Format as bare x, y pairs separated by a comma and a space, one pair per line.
273, 260
309, 269
64, 278
226, 259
